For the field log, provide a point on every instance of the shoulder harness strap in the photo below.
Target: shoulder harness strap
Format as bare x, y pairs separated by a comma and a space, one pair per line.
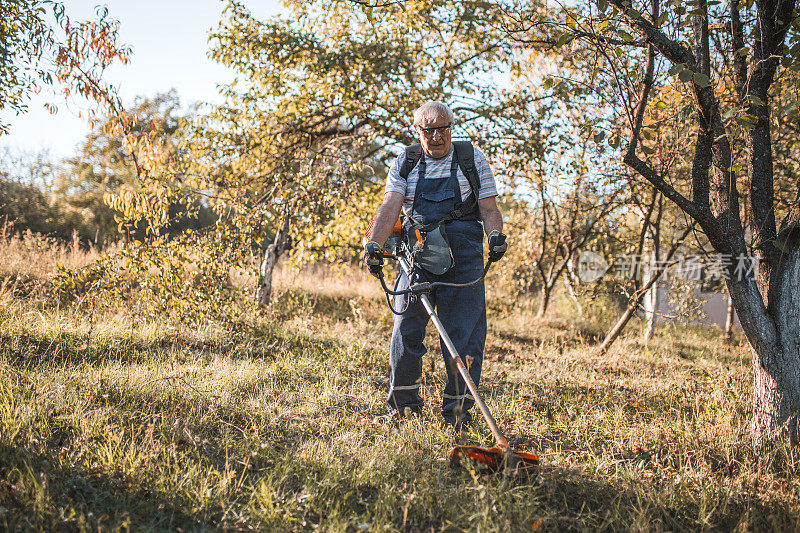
412, 156
465, 154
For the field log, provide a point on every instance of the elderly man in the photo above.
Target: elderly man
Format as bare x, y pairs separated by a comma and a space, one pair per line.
439, 183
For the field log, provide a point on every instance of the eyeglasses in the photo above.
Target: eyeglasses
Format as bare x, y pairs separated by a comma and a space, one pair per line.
429, 132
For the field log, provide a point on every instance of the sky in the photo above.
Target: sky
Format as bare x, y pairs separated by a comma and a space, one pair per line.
169, 40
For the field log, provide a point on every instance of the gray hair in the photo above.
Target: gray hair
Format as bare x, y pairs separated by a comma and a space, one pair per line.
430, 111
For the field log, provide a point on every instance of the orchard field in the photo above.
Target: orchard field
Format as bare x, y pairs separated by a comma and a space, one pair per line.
187, 342
109, 422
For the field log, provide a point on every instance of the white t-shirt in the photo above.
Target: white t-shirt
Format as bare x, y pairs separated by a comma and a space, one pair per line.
439, 169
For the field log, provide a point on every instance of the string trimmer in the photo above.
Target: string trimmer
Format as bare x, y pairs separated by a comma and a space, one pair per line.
499, 456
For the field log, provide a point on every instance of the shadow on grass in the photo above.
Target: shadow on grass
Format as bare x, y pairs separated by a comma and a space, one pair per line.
577, 501
39, 492
568, 500
634, 402
564, 335
565, 403
725, 356
30, 350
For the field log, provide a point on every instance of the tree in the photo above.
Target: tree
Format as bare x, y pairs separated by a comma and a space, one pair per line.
24, 37
638, 47
645, 278
658, 230
321, 100
34, 52
550, 227
26, 202
319, 94
565, 191
105, 166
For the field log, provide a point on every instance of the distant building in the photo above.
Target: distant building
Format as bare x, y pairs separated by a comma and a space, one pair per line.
704, 277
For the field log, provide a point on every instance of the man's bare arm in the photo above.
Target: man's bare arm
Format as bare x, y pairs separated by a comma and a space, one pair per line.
492, 218
387, 216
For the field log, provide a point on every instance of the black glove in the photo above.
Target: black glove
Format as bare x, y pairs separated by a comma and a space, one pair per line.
497, 245
373, 258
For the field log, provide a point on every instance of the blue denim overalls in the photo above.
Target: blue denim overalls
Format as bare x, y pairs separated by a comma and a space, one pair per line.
461, 310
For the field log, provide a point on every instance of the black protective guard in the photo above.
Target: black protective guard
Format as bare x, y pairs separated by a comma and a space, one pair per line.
436, 256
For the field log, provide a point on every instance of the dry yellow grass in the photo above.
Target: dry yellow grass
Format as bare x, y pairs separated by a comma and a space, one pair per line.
33, 255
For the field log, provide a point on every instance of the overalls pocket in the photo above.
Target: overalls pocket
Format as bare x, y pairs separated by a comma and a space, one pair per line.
438, 195
436, 199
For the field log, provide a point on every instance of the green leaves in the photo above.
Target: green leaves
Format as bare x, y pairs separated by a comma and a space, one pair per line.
625, 36
563, 39
701, 80
686, 75
675, 69
747, 121
35, 52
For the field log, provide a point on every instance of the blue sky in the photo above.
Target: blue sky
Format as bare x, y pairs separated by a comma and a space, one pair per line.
169, 39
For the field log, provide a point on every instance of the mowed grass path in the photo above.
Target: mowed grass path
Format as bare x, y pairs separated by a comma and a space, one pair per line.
108, 424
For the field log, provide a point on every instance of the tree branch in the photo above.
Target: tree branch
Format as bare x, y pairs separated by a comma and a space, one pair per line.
701, 164
633, 161
669, 48
738, 51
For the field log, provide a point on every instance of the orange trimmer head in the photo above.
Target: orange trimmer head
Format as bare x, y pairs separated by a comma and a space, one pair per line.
496, 458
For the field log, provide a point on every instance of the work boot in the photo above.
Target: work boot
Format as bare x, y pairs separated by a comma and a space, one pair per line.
457, 424
391, 418
394, 417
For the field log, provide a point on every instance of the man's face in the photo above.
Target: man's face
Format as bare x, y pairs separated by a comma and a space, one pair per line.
435, 137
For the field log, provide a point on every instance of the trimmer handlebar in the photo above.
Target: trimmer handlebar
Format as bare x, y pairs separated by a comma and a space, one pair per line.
426, 287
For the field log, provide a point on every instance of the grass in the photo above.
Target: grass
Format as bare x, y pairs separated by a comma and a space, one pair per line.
108, 423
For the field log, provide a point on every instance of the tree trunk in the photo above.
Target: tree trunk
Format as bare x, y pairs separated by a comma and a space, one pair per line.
729, 319
633, 305
271, 256
651, 302
776, 364
571, 281
544, 302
